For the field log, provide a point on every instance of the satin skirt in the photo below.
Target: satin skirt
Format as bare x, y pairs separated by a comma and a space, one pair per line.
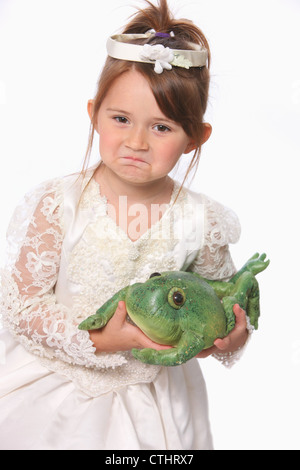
42, 410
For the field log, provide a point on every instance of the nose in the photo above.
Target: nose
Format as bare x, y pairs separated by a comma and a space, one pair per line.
137, 139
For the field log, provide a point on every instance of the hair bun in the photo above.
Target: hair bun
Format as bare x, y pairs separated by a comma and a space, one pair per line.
161, 19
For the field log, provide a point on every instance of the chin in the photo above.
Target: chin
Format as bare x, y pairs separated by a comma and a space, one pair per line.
135, 175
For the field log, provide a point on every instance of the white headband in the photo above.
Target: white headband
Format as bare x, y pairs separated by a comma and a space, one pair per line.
162, 57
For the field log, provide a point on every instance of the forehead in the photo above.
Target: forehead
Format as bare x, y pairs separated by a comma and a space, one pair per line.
130, 88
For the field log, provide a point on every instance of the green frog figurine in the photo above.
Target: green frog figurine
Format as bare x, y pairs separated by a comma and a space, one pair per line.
184, 310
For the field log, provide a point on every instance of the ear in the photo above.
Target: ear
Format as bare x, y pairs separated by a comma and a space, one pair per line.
207, 130
90, 108
191, 146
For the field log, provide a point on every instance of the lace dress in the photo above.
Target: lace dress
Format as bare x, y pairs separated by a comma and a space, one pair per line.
66, 257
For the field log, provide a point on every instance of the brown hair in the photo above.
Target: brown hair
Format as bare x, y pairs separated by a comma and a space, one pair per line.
181, 94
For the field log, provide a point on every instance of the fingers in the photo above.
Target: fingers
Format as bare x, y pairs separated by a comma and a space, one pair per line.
207, 352
222, 344
121, 312
238, 335
119, 319
240, 317
140, 340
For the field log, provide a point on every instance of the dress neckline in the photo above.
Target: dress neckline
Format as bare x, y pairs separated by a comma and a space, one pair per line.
92, 198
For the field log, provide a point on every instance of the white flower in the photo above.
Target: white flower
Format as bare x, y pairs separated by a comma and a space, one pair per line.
162, 56
181, 61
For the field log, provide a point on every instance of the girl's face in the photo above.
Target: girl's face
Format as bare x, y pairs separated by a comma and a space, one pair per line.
138, 143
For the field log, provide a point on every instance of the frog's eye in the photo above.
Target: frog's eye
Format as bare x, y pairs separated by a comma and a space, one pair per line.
155, 275
176, 297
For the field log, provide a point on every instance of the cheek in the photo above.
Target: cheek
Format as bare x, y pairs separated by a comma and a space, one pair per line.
106, 140
171, 152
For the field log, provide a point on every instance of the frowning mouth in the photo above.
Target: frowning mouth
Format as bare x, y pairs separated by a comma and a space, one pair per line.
135, 160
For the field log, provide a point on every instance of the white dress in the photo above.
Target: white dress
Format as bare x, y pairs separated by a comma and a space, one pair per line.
66, 257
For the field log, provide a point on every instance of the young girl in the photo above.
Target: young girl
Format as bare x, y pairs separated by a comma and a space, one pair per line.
75, 241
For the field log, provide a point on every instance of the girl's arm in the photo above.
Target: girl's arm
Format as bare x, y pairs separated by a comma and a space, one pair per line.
29, 306
214, 262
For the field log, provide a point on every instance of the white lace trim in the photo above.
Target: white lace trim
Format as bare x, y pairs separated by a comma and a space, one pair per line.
95, 382
214, 261
230, 359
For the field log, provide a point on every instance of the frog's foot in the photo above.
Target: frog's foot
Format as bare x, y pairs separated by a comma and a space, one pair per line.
257, 263
104, 314
94, 322
166, 357
254, 265
189, 345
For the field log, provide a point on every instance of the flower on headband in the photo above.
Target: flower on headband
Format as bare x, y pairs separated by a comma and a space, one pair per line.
181, 61
162, 56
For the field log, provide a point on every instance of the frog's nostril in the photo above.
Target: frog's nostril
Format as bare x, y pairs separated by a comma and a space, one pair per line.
155, 275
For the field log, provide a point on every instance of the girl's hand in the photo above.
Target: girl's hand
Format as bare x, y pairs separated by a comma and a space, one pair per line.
120, 335
236, 338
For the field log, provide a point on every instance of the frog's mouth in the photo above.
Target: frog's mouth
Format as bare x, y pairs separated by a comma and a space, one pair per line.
157, 327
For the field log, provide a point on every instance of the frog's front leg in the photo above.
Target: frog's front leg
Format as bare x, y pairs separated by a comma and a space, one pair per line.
189, 345
104, 314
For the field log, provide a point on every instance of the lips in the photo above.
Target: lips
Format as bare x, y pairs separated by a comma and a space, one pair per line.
135, 160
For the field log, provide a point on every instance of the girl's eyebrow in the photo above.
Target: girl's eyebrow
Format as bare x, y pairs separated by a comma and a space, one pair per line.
164, 119
120, 111
127, 113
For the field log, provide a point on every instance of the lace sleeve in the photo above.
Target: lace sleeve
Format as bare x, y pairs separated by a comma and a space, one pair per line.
29, 307
214, 260
222, 227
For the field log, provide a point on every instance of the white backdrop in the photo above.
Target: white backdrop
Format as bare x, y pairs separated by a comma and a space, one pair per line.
51, 53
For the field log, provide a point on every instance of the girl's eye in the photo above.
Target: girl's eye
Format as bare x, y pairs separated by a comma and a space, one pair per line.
121, 119
162, 128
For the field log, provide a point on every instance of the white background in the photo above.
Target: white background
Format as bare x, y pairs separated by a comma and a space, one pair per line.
51, 53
